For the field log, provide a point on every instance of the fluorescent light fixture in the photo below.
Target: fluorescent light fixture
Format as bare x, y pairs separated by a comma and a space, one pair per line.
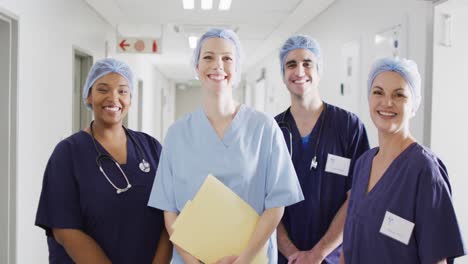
206, 4
192, 40
188, 4
224, 4
379, 39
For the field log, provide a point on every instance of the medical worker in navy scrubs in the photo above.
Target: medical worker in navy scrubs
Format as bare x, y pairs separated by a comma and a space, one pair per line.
97, 182
400, 209
324, 142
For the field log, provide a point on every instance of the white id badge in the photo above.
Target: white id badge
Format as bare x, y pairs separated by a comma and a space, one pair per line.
337, 164
397, 228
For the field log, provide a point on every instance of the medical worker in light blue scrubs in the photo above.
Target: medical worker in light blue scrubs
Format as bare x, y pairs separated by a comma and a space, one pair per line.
240, 146
400, 209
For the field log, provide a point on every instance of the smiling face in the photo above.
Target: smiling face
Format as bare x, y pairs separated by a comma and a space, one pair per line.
216, 67
300, 72
390, 103
110, 99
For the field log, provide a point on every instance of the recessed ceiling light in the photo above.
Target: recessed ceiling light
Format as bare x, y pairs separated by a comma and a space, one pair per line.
188, 4
206, 4
224, 4
192, 41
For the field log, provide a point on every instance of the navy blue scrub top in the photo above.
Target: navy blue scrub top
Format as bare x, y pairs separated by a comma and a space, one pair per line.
414, 187
76, 195
343, 135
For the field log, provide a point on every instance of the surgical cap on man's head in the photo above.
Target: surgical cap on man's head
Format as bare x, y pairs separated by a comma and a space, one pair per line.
223, 34
407, 69
103, 67
301, 42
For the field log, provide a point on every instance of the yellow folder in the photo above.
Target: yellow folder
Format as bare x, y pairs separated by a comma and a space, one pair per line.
216, 223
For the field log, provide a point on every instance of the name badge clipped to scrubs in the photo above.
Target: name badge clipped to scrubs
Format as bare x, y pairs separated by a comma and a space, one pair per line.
397, 228
337, 164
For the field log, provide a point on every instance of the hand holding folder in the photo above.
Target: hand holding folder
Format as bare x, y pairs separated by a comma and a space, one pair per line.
215, 224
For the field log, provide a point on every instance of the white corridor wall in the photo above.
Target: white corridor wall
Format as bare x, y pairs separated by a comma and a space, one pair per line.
343, 22
449, 122
154, 86
359, 20
48, 31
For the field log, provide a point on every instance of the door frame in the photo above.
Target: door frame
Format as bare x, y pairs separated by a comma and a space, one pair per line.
85, 116
13, 21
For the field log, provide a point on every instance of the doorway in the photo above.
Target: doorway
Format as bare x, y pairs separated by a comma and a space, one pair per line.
82, 116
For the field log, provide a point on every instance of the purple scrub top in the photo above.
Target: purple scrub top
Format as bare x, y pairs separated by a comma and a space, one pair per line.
344, 135
415, 187
76, 195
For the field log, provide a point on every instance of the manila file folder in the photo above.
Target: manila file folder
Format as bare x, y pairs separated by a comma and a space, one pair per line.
216, 223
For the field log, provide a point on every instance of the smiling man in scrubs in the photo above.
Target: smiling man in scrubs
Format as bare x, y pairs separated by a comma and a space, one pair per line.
324, 142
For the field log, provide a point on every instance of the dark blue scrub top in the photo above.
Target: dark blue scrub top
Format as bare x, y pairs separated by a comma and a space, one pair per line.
414, 187
76, 195
343, 135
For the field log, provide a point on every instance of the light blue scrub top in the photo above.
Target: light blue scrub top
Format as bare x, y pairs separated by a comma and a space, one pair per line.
252, 159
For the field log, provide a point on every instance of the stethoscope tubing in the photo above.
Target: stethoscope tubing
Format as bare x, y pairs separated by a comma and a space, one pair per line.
285, 125
144, 165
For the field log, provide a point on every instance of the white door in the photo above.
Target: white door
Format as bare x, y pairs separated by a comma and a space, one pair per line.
8, 91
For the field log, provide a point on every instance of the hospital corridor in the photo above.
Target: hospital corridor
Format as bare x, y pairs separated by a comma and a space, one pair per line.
195, 87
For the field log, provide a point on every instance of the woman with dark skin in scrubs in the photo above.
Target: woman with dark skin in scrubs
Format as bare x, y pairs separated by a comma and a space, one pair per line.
97, 183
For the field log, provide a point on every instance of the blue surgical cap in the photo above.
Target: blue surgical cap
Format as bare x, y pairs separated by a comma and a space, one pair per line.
103, 67
407, 69
301, 42
224, 34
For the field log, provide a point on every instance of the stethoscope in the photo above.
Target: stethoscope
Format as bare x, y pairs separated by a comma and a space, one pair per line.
144, 165
285, 125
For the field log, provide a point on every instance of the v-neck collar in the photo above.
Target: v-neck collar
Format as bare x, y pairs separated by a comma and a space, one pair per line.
104, 151
383, 181
230, 133
305, 154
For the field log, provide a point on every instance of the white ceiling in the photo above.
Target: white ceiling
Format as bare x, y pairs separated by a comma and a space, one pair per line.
262, 26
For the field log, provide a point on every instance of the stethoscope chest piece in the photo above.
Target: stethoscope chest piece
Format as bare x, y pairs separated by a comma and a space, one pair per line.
144, 166
313, 163
284, 125
121, 190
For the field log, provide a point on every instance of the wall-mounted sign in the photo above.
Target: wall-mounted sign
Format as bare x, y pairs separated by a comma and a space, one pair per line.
138, 45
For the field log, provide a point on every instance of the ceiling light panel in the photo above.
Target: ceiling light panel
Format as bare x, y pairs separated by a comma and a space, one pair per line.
206, 4
188, 4
193, 41
224, 4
